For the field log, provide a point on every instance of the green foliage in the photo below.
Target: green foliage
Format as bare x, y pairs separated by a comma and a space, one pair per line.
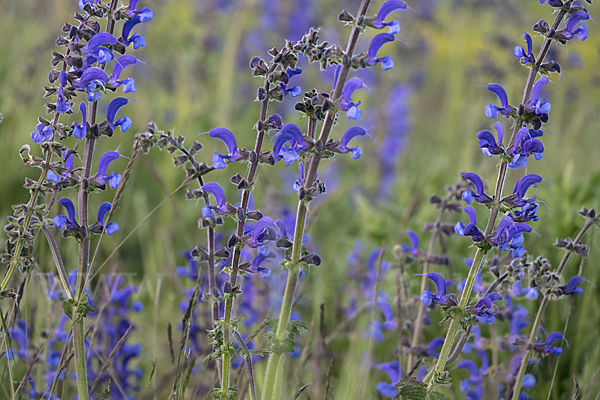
83, 308
412, 389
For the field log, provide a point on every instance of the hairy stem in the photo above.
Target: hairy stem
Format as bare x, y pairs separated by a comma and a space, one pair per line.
274, 373
454, 324
542, 309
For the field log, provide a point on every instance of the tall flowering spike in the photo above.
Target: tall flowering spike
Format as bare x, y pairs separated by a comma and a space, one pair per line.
519, 52
346, 103
374, 47
80, 131
226, 137
385, 10
441, 285
347, 137
492, 110
264, 232
216, 190
468, 194
537, 105
487, 142
111, 113
95, 48
119, 65
521, 188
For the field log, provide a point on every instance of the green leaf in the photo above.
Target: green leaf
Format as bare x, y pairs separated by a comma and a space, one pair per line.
412, 389
82, 309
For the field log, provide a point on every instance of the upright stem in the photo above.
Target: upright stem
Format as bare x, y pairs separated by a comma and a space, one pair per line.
455, 322
84, 244
419, 320
237, 251
274, 373
542, 309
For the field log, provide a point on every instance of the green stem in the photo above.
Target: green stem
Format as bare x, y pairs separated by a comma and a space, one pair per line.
542, 309
79, 352
272, 386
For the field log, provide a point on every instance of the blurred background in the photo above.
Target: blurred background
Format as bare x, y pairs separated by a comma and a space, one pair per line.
424, 115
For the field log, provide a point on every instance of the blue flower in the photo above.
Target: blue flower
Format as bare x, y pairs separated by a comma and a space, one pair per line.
119, 65
414, 244
519, 52
216, 190
509, 236
376, 43
385, 9
517, 323
61, 221
62, 105
525, 145
571, 31
293, 91
95, 48
492, 110
101, 179
113, 108
395, 372
346, 103
487, 142
42, 133
68, 166
263, 253
441, 285
137, 40
483, 308
530, 293
572, 288
145, 13
389, 324
537, 105
263, 233
554, 337
521, 187
291, 134
90, 81
80, 131
111, 227
226, 137
347, 137
468, 194
471, 229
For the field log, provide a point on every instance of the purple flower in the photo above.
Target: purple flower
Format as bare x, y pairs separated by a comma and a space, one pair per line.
61, 221
145, 13
137, 40
347, 137
487, 142
118, 67
376, 43
293, 91
537, 105
414, 244
483, 308
113, 108
264, 232
571, 31
517, 323
554, 337
216, 190
528, 145
263, 253
434, 345
95, 48
346, 103
42, 133
471, 229
80, 131
519, 52
91, 79
572, 288
226, 137
68, 166
389, 324
62, 105
113, 179
440, 283
385, 9
492, 110
521, 188
395, 373
112, 227
468, 194
509, 236
291, 134
530, 293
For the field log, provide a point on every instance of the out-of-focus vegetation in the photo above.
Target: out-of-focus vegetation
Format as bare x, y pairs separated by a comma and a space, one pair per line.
196, 78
